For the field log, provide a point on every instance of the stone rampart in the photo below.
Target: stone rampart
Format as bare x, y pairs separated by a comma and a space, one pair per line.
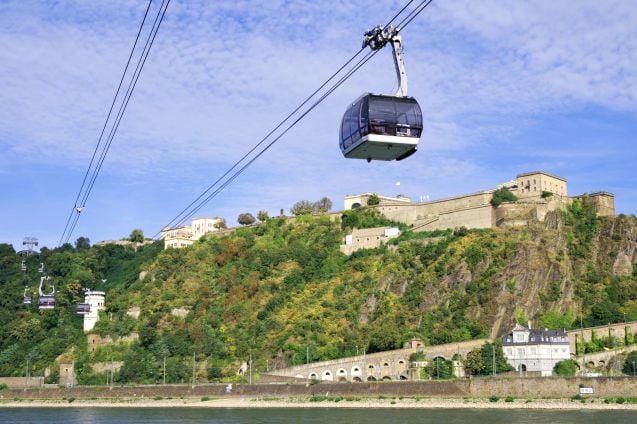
387, 366
615, 330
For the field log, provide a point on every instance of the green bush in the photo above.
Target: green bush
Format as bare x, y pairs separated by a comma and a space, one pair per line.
509, 399
494, 398
3, 386
501, 195
566, 368
620, 400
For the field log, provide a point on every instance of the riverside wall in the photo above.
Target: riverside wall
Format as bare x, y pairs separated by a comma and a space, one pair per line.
530, 387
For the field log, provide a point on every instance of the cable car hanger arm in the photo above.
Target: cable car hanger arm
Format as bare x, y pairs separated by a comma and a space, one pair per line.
376, 38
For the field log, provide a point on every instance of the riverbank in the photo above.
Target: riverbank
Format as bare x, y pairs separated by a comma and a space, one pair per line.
319, 402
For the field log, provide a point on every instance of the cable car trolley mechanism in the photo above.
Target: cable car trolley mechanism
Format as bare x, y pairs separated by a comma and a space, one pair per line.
45, 300
380, 126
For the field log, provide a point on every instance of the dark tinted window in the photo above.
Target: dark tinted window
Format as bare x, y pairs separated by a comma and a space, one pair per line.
408, 113
381, 110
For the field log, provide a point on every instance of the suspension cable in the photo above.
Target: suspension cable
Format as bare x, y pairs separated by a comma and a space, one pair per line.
122, 109
99, 140
204, 198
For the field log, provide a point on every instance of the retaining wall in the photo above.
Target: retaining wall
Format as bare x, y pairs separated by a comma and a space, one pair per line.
533, 387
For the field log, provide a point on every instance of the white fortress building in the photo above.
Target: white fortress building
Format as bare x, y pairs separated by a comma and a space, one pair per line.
178, 237
96, 303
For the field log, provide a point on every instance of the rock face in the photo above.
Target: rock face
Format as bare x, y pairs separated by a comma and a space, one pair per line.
623, 266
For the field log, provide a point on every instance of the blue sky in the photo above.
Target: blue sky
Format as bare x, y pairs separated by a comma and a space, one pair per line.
505, 87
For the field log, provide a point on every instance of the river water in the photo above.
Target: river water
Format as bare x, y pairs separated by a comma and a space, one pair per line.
309, 415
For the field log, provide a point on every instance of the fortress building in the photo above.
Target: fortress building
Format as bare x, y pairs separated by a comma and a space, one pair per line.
178, 237
538, 193
96, 303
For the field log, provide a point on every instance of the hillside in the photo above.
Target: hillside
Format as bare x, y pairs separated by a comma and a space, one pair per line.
281, 291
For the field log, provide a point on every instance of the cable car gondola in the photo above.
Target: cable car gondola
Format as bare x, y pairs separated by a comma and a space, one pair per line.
82, 308
46, 301
379, 126
26, 299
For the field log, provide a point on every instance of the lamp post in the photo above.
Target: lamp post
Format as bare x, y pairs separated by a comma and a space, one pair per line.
633, 368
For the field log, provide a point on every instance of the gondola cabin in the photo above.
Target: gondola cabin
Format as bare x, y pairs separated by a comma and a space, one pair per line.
381, 127
26, 299
82, 308
46, 302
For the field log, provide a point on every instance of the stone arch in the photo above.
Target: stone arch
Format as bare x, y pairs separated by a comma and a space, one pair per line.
356, 205
403, 377
357, 380
387, 378
590, 364
341, 374
371, 378
356, 371
313, 376
299, 376
327, 376
385, 364
602, 363
522, 368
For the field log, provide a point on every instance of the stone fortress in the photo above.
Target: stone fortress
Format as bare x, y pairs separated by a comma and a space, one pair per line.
538, 193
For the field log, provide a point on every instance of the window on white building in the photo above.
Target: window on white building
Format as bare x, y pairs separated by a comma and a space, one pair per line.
521, 352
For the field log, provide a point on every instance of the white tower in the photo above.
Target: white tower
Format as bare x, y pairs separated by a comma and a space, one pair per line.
95, 300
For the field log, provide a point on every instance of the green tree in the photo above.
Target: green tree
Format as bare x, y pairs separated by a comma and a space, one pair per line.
630, 364
263, 216
302, 207
82, 243
555, 320
566, 368
440, 368
221, 224
373, 200
323, 205
503, 194
246, 219
501, 364
137, 236
474, 363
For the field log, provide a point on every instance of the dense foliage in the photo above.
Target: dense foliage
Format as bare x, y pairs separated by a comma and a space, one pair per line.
282, 292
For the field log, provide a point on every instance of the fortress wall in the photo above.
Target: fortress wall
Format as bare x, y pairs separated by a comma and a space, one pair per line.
472, 211
475, 217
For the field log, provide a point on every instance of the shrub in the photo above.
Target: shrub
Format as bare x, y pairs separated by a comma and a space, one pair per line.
501, 195
3, 386
70, 400
494, 398
566, 368
158, 398
620, 400
205, 398
546, 194
509, 399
